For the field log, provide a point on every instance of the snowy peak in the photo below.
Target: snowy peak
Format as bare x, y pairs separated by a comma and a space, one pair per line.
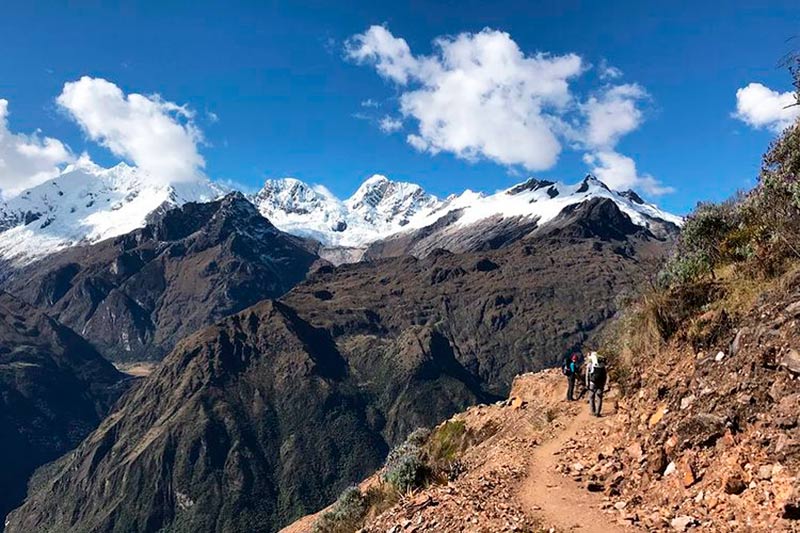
86, 204
291, 196
381, 207
382, 201
299, 208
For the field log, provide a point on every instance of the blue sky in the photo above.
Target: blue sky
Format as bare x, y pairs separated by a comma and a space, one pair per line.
289, 101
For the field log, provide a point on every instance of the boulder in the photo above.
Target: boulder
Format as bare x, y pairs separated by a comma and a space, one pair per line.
657, 415
700, 430
635, 451
736, 345
765, 472
686, 472
791, 361
657, 461
687, 401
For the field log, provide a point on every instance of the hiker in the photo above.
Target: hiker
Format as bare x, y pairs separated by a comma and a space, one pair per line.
596, 375
571, 369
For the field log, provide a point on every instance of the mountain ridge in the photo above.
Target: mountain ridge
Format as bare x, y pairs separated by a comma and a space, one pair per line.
87, 204
369, 350
383, 212
133, 296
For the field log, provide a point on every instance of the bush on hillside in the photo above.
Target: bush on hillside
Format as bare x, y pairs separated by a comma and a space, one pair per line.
405, 469
724, 255
346, 515
758, 231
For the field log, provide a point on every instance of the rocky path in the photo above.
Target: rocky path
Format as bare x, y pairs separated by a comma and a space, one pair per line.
557, 499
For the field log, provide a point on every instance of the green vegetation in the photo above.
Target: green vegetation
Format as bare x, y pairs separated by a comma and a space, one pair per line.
346, 515
448, 442
405, 470
425, 457
727, 254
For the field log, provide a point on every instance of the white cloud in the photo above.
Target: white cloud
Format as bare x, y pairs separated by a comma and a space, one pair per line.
477, 96
608, 72
619, 172
612, 114
27, 160
158, 136
761, 107
390, 125
369, 102
391, 56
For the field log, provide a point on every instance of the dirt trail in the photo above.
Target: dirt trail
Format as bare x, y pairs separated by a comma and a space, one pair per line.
559, 500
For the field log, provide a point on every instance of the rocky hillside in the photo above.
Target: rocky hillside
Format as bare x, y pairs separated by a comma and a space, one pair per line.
699, 440
502, 311
245, 426
708, 436
136, 295
267, 415
54, 390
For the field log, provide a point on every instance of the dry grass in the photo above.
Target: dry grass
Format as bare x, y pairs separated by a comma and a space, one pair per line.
702, 314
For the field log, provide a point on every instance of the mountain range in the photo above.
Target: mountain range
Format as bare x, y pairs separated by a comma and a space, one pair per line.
88, 204
134, 296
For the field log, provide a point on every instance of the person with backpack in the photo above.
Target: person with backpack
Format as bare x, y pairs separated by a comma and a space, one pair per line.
596, 376
571, 369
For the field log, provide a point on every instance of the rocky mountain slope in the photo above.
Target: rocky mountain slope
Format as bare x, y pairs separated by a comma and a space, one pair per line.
388, 218
54, 389
136, 295
693, 439
246, 425
503, 311
708, 437
87, 204
701, 433
267, 415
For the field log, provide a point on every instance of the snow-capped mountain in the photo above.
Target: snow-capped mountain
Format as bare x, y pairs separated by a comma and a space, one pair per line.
379, 207
86, 204
382, 208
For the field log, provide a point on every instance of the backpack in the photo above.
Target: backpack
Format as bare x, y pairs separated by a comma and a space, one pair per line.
566, 368
599, 373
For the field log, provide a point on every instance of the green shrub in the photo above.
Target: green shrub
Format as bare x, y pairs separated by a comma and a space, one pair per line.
418, 437
683, 268
346, 515
404, 469
448, 441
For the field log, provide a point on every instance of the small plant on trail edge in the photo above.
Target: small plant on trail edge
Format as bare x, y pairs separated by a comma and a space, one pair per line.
447, 442
404, 469
346, 515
